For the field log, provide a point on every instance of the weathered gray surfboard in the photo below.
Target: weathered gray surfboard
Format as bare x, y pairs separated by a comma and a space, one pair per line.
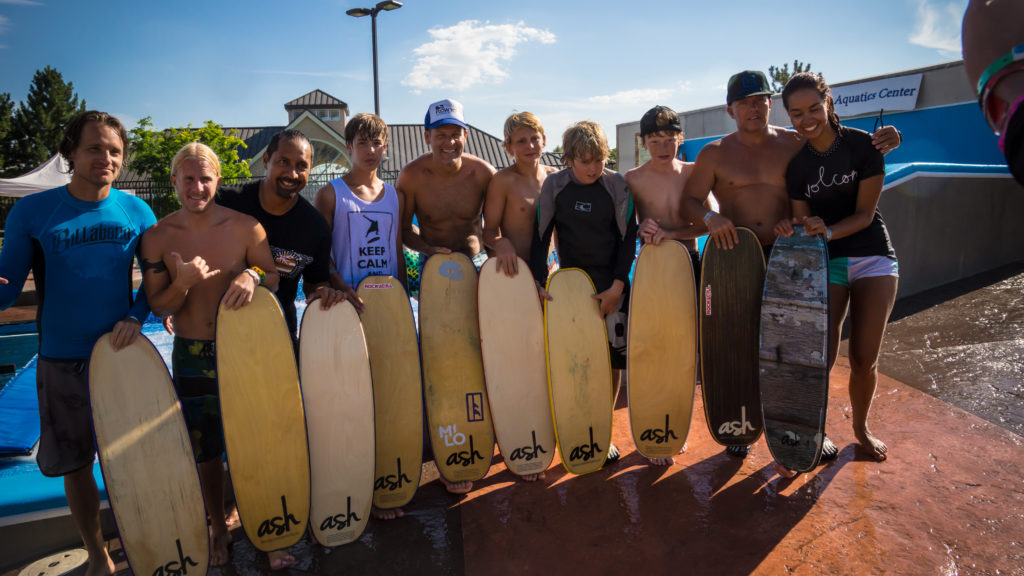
793, 358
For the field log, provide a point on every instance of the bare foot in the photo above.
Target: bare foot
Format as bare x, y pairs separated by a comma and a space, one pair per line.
386, 514
100, 566
280, 559
661, 461
783, 471
874, 447
532, 477
220, 539
231, 518
457, 487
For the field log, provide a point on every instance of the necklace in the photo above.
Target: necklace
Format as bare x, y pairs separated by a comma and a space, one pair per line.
826, 153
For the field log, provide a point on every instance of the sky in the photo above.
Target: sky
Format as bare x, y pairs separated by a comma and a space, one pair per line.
608, 61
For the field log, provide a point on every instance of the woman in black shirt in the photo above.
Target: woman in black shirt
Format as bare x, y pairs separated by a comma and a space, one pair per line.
834, 184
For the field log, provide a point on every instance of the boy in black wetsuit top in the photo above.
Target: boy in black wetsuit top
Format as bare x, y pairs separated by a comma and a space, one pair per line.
592, 210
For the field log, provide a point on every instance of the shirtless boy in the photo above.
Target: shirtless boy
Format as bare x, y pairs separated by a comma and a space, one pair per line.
657, 188
193, 259
746, 170
511, 203
445, 189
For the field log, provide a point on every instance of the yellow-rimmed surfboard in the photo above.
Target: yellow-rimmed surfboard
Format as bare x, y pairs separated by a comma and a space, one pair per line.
264, 423
453, 377
147, 461
390, 333
515, 367
338, 397
662, 351
579, 371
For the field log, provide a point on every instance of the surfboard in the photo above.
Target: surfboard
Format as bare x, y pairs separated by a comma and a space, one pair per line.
515, 367
338, 398
730, 314
794, 350
662, 350
397, 390
264, 423
579, 371
458, 415
147, 462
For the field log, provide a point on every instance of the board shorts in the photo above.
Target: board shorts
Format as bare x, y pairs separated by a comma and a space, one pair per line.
194, 364
66, 440
695, 260
846, 271
414, 262
616, 324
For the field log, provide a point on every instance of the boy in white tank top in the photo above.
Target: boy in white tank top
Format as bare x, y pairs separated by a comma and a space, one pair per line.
364, 212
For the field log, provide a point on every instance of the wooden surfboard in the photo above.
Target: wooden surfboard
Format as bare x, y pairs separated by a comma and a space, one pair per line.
662, 350
264, 423
458, 415
730, 314
579, 371
148, 466
794, 350
338, 397
397, 390
515, 367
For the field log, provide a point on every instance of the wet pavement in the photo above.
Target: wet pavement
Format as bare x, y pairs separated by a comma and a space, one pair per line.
949, 500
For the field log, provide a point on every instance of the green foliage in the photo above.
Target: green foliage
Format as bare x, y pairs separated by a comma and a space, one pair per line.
612, 163
38, 125
151, 152
6, 130
779, 76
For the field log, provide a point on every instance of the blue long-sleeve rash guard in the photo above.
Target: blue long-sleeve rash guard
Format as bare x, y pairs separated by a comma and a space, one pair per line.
81, 256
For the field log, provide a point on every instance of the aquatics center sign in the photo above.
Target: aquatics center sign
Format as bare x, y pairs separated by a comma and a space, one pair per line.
899, 93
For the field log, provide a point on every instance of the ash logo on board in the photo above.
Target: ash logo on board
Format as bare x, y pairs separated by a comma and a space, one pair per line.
737, 427
658, 435
790, 438
475, 407
177, 567
392, 482
528, 453
278, 525
585, 451
341, 521
465, 458
451, 270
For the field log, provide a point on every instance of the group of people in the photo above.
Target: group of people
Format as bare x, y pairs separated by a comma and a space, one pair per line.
81, 240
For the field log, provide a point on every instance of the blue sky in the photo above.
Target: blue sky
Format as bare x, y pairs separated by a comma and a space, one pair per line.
238, 63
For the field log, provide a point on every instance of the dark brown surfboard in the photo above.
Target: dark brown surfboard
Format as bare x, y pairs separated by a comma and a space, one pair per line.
794, 350
730, 313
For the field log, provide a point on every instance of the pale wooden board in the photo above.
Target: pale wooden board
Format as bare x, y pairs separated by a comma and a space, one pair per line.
732, 280
338, 397
397, 390
794, 350
579, 371
146, 457
515, 367
458, 415
264, 423
662, 350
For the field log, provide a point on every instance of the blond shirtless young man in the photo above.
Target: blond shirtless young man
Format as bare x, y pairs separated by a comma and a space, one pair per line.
192, 260
657, 188
445, 190
746, 170
511, 204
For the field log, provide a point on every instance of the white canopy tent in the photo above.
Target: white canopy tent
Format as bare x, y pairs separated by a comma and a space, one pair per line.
50, 174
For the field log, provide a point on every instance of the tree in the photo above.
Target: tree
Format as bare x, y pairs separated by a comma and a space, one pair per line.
39, 123
612, 163
6, 132
779, 76
151, 152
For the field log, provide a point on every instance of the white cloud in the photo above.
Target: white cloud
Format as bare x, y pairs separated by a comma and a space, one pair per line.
313, 74
469, 53
938, 26
5, 24
644, 96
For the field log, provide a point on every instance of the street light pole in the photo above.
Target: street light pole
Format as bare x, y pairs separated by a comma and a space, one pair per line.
386, 5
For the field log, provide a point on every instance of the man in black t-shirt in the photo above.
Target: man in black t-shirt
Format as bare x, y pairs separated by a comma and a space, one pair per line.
300, 238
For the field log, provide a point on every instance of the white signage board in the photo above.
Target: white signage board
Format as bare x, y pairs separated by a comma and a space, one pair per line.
899, 93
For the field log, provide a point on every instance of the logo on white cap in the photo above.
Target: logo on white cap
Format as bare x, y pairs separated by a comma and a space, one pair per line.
445, 112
